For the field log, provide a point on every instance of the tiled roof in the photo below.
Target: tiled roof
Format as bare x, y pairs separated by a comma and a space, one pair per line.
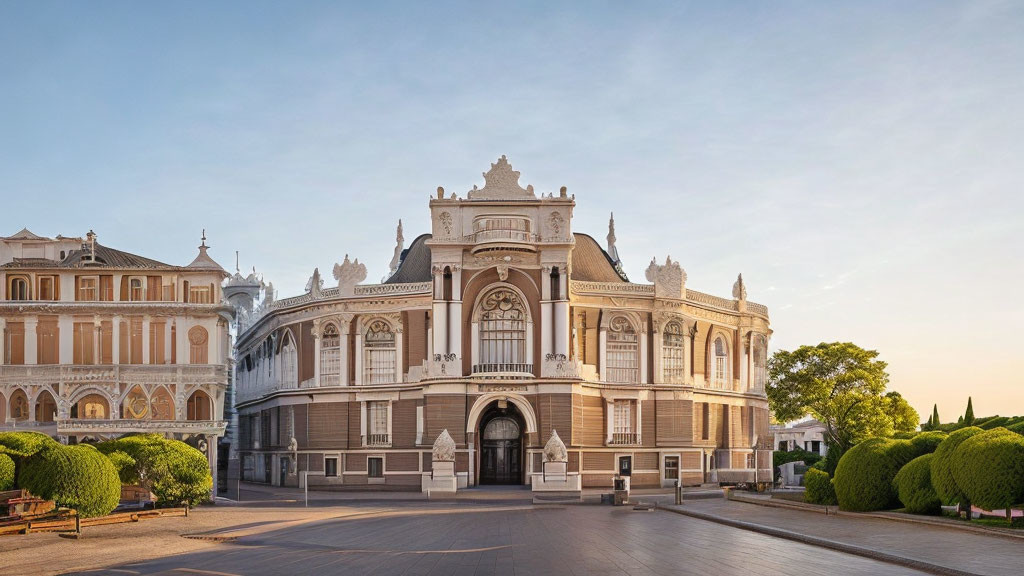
110, 258
415, 266
31, 263
591, 263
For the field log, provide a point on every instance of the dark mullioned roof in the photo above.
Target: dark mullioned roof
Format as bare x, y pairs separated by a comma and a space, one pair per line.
110, 258
589, 262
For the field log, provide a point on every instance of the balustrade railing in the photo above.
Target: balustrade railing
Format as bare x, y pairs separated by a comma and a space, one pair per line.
624, 438
378, 440
513, 368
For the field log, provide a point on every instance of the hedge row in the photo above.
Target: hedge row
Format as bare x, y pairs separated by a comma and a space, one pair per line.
865, 474
942, 466
819, 489
914, 486
78, 477
6, 472
988, 468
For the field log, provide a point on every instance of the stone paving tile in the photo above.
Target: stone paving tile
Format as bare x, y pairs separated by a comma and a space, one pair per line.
977, 553
574, 541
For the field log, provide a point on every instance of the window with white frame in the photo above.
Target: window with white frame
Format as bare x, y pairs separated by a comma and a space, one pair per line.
671, 467
87, 291
375, 467
330, 356
137, 289
330, 467
377, 423
623, 352
18, 289
502, 321
672, 354
622, 422
379, 354
760, 353
289, 368
720, 363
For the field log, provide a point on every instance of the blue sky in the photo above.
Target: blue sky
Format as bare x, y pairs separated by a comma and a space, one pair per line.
860, 163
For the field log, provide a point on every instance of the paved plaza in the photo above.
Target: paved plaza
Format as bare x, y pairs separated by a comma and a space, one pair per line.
493, 533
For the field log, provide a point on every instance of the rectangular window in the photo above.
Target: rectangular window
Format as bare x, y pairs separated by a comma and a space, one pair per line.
83, 343
622, 423
705, 431
153, 288
47, 341
199, 295
135, 355
671, 467
88, 290
330, 467
14, 343
375, 467
46, 288
377, 429
157, 342
750, 460
106, 288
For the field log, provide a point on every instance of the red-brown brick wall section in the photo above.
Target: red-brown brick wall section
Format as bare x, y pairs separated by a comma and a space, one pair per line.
355, 439
645, 461
554, 411
648, 423
355, 462
593, 422
300, 424
415, 337
306, 349
403, 427
328, 425
445, 411
675, 422
403, 462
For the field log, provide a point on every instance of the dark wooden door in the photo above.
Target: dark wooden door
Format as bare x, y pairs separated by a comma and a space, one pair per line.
501, 453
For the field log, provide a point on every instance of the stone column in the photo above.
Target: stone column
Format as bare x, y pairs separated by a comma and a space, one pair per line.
687, 356
3, 349
211, 450
659, 348
316, 353
145, 339
359, 354
97, 337
346, 328
399, 353
31, 340
609, 421
65, 339
115, 340
562, 327
602, 352
643, 351
168, 323
455, 314
546, 313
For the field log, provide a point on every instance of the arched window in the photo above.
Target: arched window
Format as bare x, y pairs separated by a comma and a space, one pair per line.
198, 340
199, 406
719, 363
46, 407
161, 405
672, 354
91, 407
502, 321
379, 354
330, 356
760, 354
19, 406
623, 352
289, 368
18, 289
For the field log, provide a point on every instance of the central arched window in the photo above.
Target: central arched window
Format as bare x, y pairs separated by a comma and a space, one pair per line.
502, 321
379, 354
623, 352
719, 363
330, 356
672, 354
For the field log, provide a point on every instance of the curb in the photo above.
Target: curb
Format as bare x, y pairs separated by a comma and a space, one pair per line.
826, 543
834, 510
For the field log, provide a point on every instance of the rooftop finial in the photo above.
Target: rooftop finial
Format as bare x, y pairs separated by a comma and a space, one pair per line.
204, 237
237, 269
612, 251
396, 259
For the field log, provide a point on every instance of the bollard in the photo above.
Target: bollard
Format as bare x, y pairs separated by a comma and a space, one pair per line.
679, 493
78, 524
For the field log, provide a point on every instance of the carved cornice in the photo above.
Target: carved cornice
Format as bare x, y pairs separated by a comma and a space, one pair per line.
18, 308
76, 426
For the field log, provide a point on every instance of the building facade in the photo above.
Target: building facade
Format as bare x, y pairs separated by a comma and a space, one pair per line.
98, 342
808, 435
501, 326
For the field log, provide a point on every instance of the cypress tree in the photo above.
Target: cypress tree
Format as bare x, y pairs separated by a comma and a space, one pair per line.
969, 415
935, 416
928, 425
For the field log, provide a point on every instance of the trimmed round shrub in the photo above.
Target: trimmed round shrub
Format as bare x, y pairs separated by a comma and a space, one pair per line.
863, 479
174, 471
927, 442
6, 472
125, 466
914, 486
942, 471
989, 469
24, 444
78, 477
818, 487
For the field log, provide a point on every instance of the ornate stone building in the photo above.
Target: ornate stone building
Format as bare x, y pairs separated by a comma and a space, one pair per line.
98, 342
500, 326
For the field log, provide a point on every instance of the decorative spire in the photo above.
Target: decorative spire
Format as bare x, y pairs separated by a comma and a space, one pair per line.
444, 447
396, 259
501, 182
739, 290
612, 251
237, 269
554, 450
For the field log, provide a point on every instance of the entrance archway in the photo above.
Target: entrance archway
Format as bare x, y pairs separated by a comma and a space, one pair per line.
501, 445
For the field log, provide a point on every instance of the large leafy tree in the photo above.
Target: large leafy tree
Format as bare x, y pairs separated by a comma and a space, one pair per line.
840, 384
904, 417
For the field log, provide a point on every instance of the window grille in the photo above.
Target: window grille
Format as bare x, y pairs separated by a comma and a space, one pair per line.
671, 467
87, 289
289, 370
622, 423
330, 356
377, 431
379, 354
760, 352
721, 360
623, 352
502, 333
672, 356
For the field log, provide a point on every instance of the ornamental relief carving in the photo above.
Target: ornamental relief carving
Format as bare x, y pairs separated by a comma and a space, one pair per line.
556, 224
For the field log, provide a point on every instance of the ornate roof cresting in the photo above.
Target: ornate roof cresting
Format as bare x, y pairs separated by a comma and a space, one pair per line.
669, 279
348, 274
501, 182
554, 450
444, 447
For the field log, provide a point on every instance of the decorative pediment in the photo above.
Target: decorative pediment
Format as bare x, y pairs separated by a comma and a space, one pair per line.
501, 182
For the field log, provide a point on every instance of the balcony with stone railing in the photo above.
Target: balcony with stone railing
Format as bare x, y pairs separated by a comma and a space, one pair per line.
624, 439
128, 374
117, 427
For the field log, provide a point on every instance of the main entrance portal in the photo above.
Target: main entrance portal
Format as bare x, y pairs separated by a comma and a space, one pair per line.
501, 450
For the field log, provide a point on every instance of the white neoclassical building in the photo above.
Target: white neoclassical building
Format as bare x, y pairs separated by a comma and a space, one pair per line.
501, 325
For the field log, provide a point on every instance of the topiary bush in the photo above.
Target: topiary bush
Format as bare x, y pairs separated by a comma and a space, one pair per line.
78, 477
942, 473
927, 442
993, 423
914, 486
174, 471
1018, 428
863, 479
989, 469
6, 472
24, 444
818, 487
125, 466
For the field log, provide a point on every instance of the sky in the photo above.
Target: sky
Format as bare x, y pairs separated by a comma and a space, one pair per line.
862, 163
